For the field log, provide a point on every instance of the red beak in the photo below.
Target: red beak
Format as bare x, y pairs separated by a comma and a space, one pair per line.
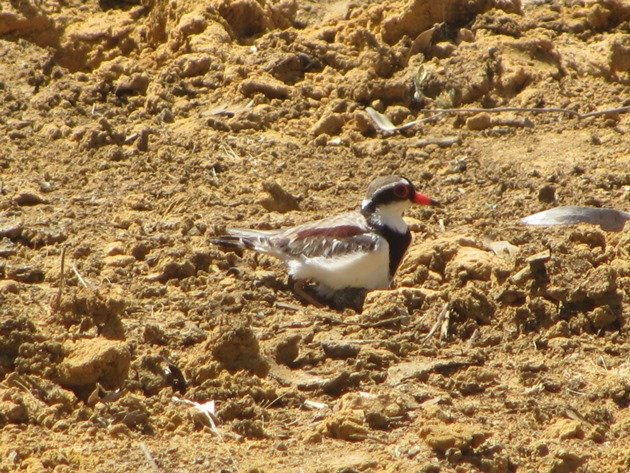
422, 199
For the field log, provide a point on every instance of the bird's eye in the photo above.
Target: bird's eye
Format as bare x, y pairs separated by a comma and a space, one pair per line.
401, 191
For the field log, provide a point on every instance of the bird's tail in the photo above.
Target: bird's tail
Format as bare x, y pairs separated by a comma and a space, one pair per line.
240, 239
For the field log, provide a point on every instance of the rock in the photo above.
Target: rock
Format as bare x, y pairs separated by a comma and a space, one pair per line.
269, 86
346, 425
279, 199
287, 349
28, 199
381, 305
38, 236
547, 194
245, 17
237, 348
12, 413
172, 269
565, 429
329, 124
566, 462
420, 370
114, 249
478, 122
416, 16
11, 229
470, 303
600, 282
135, 84
602, 317
191, 23
339, 383
249, 428
26, 274
87, 308
138, 202
95, 360
140, 250
619, 59
119, 261
471, 263
409, 370
290, 68
7, 285
442, 437
192, 65
154, 334
340, 350
7, 247
379, 411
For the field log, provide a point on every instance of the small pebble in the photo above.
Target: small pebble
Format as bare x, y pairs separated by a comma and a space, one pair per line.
27, 198
547, 194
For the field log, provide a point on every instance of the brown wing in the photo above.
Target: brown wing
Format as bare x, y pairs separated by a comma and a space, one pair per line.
331, 237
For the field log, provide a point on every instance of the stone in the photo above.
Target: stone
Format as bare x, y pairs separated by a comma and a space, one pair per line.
95, 360
269, 86
478, 122
330, 124
28, 199
119, 261
565, 429
442, 437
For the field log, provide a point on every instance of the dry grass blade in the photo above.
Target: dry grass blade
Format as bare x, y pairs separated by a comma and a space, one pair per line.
441, 322
610, 220
80, 278
314, 405
444, 142
566, 111
148, 456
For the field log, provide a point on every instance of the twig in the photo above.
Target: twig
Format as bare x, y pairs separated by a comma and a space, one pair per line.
529, 110
149, 457
445, 324
382, 323
267, 405
286, 305
79, 277
596, 113
441, 142
62, 278
444, 315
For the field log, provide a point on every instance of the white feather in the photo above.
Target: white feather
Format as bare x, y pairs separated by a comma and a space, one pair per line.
390, 215
367, 270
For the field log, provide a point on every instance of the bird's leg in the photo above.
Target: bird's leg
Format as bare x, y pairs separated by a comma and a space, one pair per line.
302, 293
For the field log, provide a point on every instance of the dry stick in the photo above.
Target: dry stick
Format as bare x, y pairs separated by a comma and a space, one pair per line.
61, 279
525, 109
440, 320
81, 280
148, 456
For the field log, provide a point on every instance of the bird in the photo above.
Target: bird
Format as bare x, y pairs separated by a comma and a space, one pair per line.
360, 250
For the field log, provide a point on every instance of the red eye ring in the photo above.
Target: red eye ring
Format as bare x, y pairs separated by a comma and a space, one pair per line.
401, 191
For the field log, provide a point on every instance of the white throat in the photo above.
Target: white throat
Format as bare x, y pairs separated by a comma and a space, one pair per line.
391, 215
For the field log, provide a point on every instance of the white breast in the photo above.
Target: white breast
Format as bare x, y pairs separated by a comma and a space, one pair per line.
368, 270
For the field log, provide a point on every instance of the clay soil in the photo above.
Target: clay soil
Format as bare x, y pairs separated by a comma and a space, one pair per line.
132, 132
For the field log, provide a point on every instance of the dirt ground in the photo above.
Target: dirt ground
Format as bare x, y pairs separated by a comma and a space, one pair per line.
131, 132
